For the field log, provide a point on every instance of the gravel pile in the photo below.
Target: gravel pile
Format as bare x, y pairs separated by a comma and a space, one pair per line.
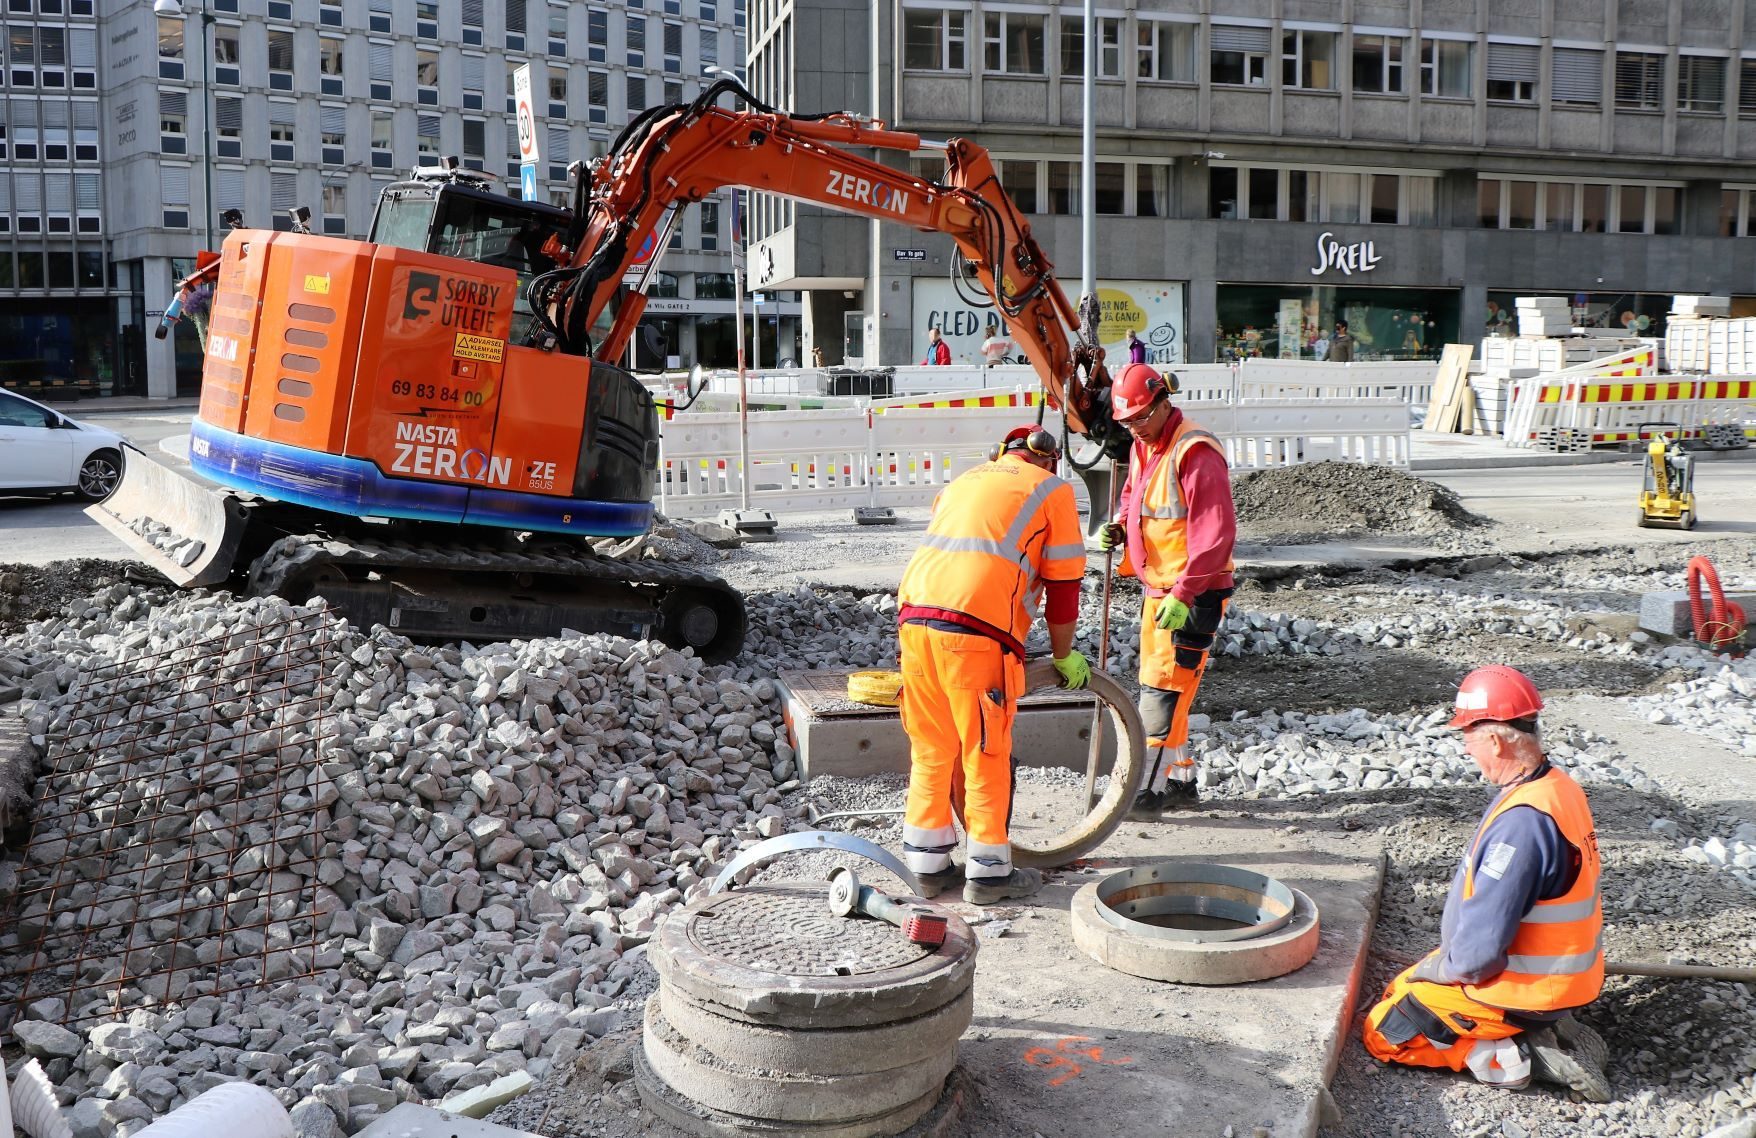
1719, 704
1328, 499
33, 592
501, 828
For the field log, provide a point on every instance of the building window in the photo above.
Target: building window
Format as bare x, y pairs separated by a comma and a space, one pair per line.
472, 23
1064, 188
1378, 65
1272, 193
22, 48
225, 55
333, 128
597, 35
557, 31
1152, 189
1513, 71
1701, 84
1165, 51
383, 132
427, 140
1747, 88
1445, 68
174, 196
1111, 187
559, 148
933, 39
1640, 81
475, 78
1012, 43
1586, 207
1307, 60
173, 106
1019, 180
1577, 76
1109, 47
1240, 56
557, 92
83, 54
378, 19
634, 40
228, 117
427, 77
597, 97
673, 44
170, 48
280, 131
709, 45
427, 19
335, 210
329, 15
329, 63
380, 58
636, 94
709, 226
515, 25
52, 50
280, 61
475, 142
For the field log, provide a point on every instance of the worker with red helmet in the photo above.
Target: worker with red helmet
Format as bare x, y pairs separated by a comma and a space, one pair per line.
1175, 523
1004, 544
1521, 939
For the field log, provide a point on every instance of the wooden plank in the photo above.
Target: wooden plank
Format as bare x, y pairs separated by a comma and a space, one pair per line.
1453, 375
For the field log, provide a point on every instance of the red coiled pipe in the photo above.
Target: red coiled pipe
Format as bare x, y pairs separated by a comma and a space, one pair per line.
1725, 622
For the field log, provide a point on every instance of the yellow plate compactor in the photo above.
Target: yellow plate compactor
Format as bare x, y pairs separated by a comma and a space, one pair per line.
1667, 495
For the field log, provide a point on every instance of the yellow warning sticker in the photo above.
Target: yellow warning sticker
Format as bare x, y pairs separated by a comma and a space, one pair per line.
484, 348
315, 282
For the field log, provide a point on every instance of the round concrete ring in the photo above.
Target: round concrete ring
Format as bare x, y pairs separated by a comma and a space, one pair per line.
810, 1002
786, 1096
1185, 962
820, 1052
666, 1104
1126, 776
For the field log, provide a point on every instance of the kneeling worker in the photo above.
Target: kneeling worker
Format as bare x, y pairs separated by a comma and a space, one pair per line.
1003, 535
1521, 941
1176, 526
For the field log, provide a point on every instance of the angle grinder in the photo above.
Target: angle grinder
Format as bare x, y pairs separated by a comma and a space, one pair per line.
848, 898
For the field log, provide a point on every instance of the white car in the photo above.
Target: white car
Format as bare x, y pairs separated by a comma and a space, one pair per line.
44, 452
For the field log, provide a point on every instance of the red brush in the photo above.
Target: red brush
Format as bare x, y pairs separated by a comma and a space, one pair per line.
927, 929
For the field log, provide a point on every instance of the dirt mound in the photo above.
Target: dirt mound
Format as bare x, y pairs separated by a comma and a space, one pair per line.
1331, 499
32, 592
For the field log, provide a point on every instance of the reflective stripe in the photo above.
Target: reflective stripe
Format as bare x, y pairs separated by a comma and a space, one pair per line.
988, 861
921, 861
1028, 509
938, 837
1555, 965
1064, 552
1549, 913
967, 545
1166, 513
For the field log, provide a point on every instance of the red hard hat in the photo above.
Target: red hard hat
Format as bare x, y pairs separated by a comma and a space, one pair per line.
1496, 694
1033, 438
1136, 389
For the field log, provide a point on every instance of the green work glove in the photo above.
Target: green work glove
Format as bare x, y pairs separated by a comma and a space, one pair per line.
1172, 614
1075, 670
1113, 537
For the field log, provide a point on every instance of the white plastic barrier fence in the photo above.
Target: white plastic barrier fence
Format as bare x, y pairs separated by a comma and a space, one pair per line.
898, 455
1410, 381
1611, 400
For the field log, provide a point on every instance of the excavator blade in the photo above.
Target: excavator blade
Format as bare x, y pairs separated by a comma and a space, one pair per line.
187, 531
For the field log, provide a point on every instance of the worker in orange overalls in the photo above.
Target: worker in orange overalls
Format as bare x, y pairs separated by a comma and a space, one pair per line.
1521, 940
1176, 526
1003, 545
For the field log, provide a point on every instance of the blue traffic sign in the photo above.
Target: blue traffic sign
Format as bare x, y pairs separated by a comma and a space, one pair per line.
527, 181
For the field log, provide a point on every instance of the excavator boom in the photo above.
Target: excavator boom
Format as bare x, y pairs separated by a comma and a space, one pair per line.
682, 154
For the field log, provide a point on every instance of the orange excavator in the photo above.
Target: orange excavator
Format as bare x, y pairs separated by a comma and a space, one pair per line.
427, 428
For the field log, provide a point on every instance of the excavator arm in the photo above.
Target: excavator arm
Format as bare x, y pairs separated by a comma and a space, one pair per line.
682, 154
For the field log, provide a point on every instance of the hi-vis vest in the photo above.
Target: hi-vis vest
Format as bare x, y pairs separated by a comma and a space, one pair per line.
998, 532
1556, 958
1158, 533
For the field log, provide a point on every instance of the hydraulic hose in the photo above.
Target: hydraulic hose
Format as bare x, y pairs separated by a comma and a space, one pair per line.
1725, 622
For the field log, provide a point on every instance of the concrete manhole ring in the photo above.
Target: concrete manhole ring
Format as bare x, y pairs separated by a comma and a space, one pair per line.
786, 974
1145, 921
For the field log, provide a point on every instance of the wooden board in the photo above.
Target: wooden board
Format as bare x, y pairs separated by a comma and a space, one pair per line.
1446, 406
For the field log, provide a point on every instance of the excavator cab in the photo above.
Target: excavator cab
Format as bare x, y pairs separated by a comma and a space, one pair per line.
453, 214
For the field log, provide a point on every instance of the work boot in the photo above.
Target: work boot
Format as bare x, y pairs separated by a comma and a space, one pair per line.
1551, 1064
1582, 1040
933, 884
991, 890
1151, 805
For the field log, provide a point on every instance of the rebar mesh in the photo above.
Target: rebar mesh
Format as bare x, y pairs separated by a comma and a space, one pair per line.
173, 851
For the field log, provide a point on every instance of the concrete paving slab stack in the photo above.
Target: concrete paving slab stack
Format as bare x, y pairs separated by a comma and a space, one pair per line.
775, 1016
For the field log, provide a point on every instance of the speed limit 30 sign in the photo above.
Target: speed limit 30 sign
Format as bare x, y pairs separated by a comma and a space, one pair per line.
527, 119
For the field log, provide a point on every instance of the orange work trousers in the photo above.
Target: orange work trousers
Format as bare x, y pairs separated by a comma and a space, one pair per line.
959, 696
1422, 1024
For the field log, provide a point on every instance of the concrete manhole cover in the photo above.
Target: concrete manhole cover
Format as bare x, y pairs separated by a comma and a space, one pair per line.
794, 934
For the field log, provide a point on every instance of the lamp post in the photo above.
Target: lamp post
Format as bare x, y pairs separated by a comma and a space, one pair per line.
1087, 161
175, 8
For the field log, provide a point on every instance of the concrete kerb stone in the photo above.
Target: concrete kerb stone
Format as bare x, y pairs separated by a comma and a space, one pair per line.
933, 1115
1186, 962
787, 1096
738, 992
825, 1051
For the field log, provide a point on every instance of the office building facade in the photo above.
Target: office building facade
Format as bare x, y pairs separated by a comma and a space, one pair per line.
1269, 169
112, 176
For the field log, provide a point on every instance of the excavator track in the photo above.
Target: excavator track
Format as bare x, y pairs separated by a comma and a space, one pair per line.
431, 592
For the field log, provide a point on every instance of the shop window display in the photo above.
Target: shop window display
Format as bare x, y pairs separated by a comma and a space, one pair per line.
1631, 313
1299, 322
